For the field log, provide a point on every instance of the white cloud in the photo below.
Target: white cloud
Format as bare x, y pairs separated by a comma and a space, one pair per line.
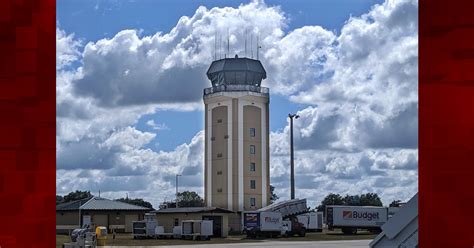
67, 49
169, 68
136, 170
157, 126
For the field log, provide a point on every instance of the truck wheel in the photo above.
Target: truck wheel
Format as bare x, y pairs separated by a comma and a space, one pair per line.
349, 230
302, 233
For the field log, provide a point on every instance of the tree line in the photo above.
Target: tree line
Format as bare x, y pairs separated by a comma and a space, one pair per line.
80, 195
368, 199
185, 199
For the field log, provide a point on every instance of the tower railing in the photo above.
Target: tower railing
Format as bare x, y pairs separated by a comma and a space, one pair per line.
237, 87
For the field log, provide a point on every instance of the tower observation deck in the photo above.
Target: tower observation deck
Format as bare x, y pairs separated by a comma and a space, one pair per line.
236, 74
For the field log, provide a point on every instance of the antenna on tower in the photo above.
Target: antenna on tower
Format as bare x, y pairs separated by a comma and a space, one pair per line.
215, 45
220, 46
245, 42
228, 43
258, 37
251, 46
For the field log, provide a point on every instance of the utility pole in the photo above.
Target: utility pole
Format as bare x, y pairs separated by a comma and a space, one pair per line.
292, 176
177, 175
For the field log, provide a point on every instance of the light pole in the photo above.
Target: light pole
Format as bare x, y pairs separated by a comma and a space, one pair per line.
177, 175
291, 116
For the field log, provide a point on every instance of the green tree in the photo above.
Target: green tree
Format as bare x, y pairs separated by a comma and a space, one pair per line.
331, 199
370, 199
352, 200
190, 199
168, 204
77, 195
137, 202
273, 195
59, 199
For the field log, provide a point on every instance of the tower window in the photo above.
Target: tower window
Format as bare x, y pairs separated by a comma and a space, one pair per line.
252, 167
219, 172
252, 201
252, 149
219, 121
252, 184
252, 132
219, 155
219, 190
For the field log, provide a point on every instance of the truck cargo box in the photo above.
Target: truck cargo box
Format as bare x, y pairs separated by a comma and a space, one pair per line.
262, 221
312, 221
363, 217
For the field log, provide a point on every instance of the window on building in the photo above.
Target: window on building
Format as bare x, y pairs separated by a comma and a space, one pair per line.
252, 149
252, 167
219, 121
219, 172
252, 201
219, 190
252, 184
219, 155
176, 222
252, 132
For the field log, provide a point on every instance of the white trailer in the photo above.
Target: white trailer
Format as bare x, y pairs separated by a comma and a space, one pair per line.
312, 221
145, 228
196, 229
352, 218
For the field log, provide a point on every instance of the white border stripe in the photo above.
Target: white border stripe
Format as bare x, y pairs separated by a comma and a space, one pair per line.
263, 112
241, 154
209, 156
229, 155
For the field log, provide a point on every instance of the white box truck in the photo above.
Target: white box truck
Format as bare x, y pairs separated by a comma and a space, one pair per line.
271, 224
268, 224
352, 218
312, 221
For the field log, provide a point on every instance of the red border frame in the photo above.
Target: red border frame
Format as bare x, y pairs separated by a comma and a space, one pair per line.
27, 129
446, 124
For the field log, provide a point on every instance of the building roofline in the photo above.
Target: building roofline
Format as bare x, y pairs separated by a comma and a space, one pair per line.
192, 210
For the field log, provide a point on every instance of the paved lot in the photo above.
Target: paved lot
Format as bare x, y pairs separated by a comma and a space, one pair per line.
280, 244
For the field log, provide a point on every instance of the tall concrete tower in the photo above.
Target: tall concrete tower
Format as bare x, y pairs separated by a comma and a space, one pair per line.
237, 135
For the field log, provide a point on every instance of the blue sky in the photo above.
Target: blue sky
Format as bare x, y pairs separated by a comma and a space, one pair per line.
91, 20
129, 93
94, 19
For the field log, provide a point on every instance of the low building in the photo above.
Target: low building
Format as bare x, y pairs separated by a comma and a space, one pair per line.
223, 219
114, 215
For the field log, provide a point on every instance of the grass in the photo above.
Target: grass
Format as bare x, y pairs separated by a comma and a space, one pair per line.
127, 240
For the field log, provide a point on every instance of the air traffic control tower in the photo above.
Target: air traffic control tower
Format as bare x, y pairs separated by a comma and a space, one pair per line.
236, 171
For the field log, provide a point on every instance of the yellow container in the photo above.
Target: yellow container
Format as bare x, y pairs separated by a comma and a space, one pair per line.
101, 231
101, 241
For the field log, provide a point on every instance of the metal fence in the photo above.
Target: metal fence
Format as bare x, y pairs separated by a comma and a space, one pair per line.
236, 87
